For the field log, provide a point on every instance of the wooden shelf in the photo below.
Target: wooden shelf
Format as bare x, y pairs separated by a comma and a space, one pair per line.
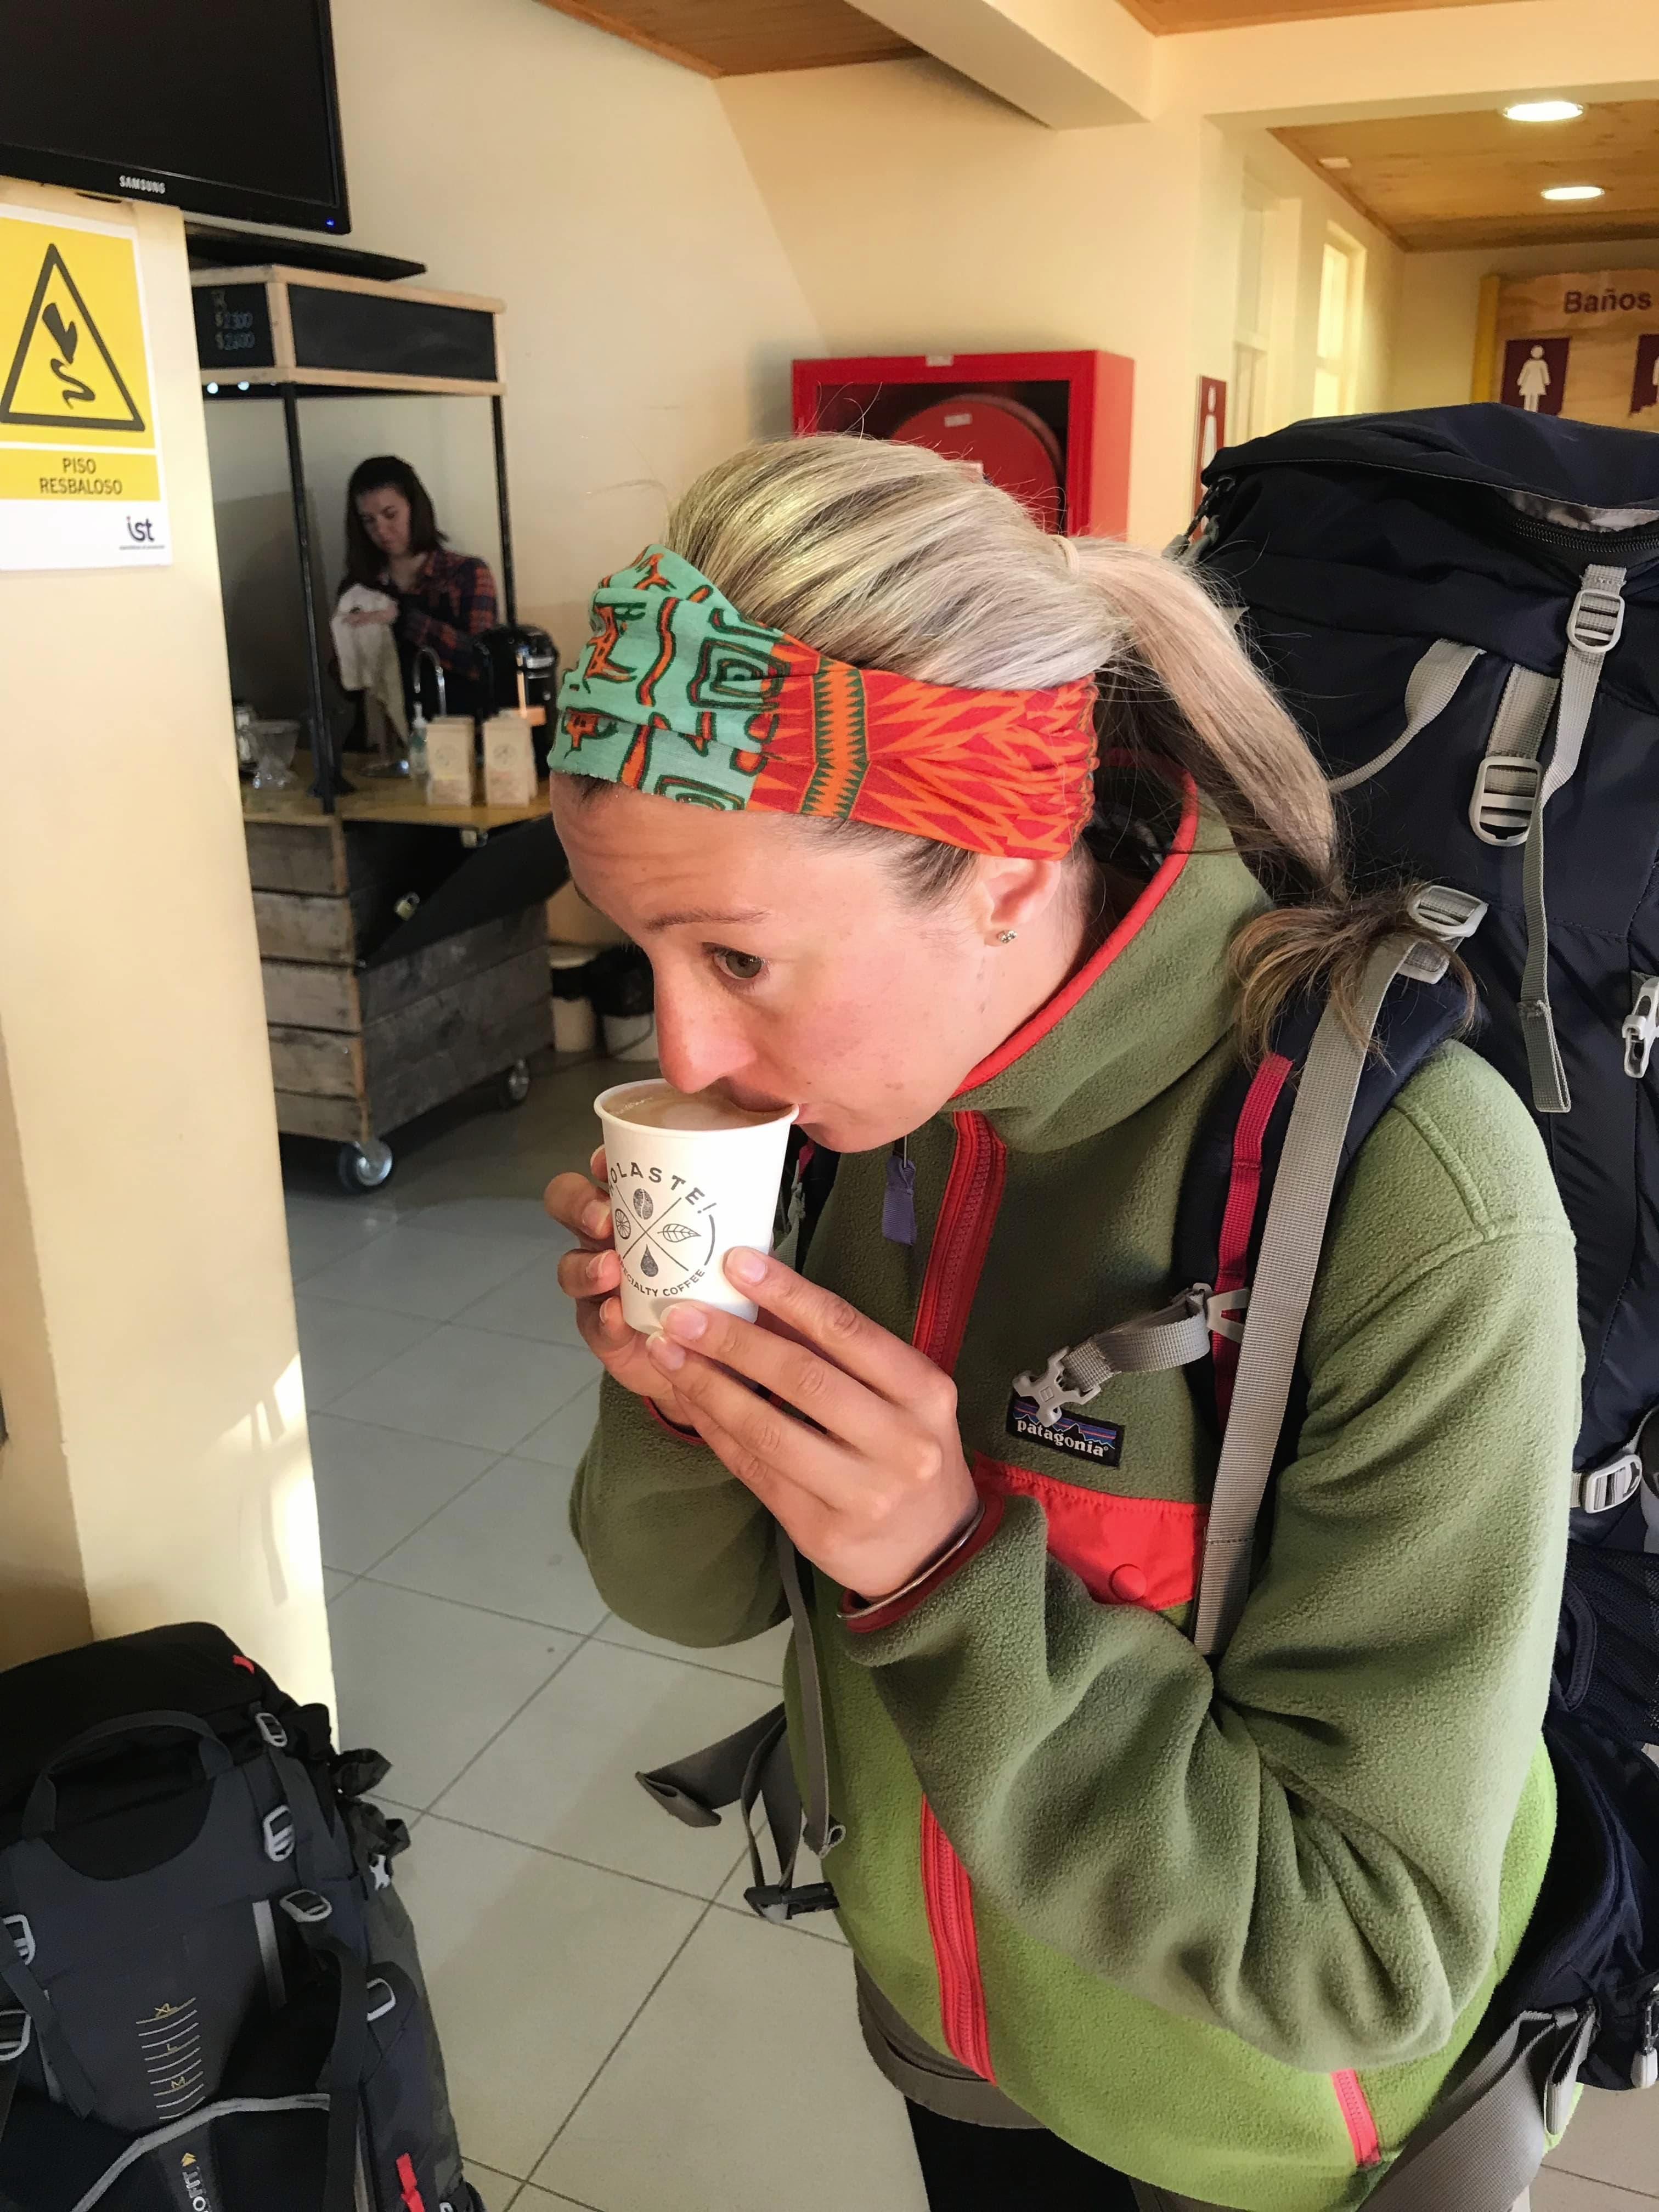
380, 799
364, 1036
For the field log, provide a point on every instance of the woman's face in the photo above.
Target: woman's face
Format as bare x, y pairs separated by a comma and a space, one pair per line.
791, 967
384, 514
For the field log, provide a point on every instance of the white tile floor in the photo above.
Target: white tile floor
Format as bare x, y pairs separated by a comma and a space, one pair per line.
621, 2034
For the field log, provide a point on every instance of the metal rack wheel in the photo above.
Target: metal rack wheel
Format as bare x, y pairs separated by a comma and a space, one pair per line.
364, 1167
513, 1088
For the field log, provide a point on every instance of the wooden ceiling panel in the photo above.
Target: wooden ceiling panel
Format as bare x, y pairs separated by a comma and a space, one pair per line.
1164, 15
742, 37
1435, 182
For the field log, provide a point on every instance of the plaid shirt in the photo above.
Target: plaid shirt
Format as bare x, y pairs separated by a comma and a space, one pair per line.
455, 599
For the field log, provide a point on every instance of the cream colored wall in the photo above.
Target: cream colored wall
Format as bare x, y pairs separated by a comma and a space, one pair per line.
1440, 301
157, 1465
923, 216
650, 312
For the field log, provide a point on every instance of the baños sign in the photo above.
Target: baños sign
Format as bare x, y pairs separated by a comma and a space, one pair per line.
1579, 343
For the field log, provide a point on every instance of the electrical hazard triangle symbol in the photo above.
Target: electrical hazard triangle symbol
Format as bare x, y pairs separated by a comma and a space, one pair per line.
62, 376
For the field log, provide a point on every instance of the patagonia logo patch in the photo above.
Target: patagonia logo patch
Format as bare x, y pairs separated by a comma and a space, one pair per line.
1073, 1432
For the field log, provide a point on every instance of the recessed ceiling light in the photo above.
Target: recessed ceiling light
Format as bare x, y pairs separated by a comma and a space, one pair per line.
1543, 111
1334, 161
1572, 192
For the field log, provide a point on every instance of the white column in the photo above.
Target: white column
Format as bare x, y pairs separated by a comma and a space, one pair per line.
157, 1467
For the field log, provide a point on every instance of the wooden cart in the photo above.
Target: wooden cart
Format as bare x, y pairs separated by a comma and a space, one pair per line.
404, 955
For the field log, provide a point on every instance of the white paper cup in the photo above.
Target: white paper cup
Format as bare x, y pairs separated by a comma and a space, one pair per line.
681, 1198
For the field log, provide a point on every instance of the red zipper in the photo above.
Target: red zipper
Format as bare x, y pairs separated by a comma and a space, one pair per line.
1357, 2116
413, 2201
968, 1213
949, 1895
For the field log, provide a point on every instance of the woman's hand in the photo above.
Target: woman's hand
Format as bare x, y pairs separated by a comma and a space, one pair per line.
593, 1277
871, 1485
370, 618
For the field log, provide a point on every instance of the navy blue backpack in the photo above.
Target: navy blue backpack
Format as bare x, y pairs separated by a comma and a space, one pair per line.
1461, 606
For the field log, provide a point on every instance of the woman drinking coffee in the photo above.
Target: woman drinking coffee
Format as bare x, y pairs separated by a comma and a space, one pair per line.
993, 854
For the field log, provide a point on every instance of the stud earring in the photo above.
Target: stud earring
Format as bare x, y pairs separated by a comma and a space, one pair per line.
1007, 936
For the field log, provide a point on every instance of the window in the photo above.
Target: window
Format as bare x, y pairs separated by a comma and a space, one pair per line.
1253, 322
1342, 300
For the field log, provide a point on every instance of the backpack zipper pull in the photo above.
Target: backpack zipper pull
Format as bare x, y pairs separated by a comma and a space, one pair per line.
898, 1203
1644, 2067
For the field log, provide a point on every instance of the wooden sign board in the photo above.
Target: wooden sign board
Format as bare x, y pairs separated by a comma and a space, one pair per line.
1585, 345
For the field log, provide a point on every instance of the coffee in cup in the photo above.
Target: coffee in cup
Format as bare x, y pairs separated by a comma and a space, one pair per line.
691, 1177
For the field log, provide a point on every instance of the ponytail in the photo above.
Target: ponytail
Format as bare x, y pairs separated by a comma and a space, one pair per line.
1182, 689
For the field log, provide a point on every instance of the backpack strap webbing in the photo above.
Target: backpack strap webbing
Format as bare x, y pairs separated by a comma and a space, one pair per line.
752, 1767
1292, 1239
1430, 690
16, 1977
1483, 2142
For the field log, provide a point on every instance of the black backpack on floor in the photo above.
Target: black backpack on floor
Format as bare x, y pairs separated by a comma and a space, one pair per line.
210, 1994
1462, 608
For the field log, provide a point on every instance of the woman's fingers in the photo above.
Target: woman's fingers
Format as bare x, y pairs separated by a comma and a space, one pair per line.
768, 1450
580, 1207
782, 1364
601, 1327
860, 1347
590, 1273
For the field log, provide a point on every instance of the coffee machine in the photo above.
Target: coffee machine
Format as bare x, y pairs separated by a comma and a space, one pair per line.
517, 667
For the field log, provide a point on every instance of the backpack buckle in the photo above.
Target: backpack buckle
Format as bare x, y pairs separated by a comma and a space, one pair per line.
278, 1828
1641, 1030
1599, 1489
1506, 786
272, 1730
1563, 2078
16, 1925
305, 1908
778, 1902
1597, 621
1225, 1311
1446, 912
1051, 1392
15, 2027
387, 2003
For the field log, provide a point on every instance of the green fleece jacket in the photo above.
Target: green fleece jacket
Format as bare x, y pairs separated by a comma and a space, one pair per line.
1224, 1931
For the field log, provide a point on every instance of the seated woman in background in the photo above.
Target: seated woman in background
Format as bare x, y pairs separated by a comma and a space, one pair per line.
441, 600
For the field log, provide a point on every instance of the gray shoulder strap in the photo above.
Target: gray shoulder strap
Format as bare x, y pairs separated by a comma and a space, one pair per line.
1292, 1238
1594, 628
1482, 2144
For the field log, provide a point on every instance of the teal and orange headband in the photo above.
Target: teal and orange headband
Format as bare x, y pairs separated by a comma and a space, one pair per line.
677, 694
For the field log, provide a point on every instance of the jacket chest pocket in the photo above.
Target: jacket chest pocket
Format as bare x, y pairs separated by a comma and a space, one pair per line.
1124, 1551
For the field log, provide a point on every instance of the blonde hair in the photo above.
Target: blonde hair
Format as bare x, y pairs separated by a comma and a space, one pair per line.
890, 557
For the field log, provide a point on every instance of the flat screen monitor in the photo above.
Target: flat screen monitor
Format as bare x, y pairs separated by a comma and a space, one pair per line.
222, 107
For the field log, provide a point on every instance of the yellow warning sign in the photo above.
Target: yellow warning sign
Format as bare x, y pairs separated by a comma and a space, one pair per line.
81, 480
74, 358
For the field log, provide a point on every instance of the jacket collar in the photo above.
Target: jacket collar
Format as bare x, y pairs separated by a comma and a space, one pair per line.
1139, 1014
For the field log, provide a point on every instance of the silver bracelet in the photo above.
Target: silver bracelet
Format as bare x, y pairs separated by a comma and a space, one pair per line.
906, 1590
